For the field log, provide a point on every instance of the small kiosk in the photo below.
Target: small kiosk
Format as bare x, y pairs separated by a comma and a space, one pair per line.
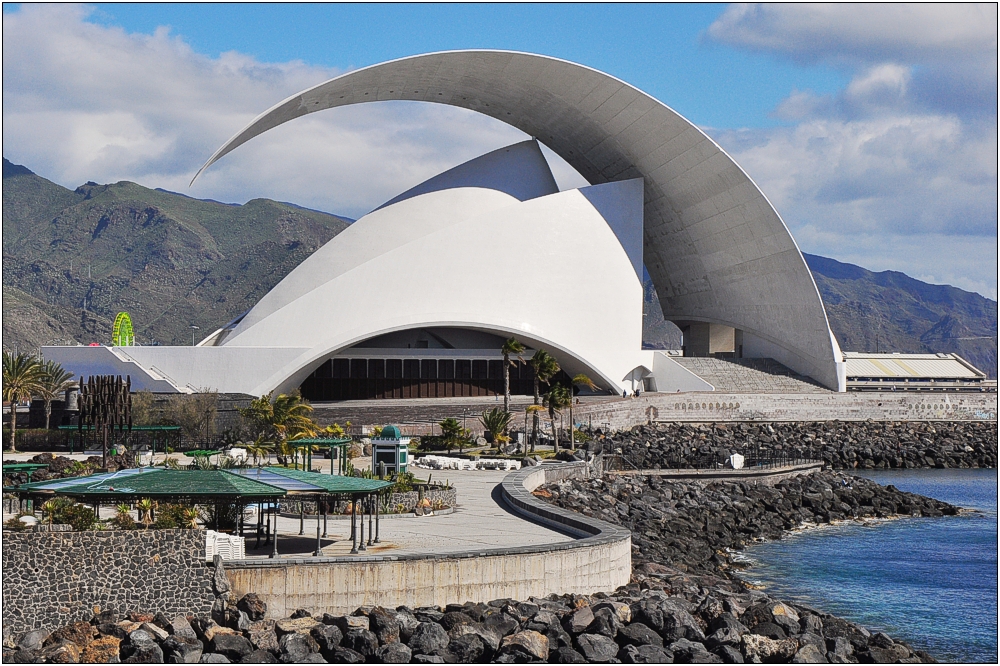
391, 449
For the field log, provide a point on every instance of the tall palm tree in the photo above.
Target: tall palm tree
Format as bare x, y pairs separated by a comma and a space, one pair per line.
545, 367
556, 399
511, 346
578, 380
22, 377
54, 382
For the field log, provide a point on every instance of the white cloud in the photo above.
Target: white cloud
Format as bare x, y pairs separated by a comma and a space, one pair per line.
899, 169
87, 102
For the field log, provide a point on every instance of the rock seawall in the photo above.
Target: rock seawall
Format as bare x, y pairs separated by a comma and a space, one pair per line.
843, 445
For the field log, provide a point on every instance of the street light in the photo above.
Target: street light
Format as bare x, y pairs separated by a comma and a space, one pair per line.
193, 329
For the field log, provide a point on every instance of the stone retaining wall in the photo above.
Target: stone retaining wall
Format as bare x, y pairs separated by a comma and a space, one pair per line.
721, 407
764, 477
53, 578
599, 561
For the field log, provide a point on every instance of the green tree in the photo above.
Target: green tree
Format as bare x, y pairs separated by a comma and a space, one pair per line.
511, 347
545, 367
557, 398
453, 434
578, 380
22, 378
54, 382
285, 418
495, 421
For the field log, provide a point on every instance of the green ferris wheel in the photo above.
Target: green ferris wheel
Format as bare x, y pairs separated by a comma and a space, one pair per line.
122, 335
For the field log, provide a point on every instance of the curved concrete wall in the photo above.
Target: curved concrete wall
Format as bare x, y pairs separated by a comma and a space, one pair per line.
715, 248
599, 561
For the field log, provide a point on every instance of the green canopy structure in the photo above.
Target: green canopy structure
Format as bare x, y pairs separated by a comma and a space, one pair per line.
241, 486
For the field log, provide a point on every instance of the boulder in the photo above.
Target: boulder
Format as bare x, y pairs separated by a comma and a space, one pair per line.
596, 648
295, 647
578, 621
810, 654
428, 638
343, 655
530, 644
490, 636
211, 658
143, 654
466, 649
158, 634
692, 652
113, 630
232, 646
33, 640
328, 638
566, 655
64, 653
259, 657
180, 626
766, 649
253, 606
639, 634
393, 653
605, 623
300, 625
645, 654
80, 633
622, 611
182, 650
103, 650
362, 641
263, 636
384, 625
729, 654
350, 622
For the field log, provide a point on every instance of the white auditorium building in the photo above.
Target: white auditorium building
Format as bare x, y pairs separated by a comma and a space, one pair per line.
415, 298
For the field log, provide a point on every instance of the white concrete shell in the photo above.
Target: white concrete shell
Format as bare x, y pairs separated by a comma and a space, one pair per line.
715, 248
436, 260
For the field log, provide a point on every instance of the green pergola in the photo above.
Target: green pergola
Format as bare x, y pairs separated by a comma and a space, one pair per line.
240, 486
308, 443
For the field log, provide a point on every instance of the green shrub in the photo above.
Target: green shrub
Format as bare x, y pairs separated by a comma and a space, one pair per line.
15, 524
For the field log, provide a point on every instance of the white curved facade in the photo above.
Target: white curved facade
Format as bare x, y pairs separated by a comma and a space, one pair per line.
717, 251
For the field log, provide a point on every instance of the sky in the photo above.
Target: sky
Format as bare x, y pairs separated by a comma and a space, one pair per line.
872, 129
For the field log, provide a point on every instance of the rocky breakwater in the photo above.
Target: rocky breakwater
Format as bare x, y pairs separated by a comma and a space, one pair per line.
841, 445
679, 619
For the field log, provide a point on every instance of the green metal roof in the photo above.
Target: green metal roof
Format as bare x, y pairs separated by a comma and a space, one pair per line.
23, 467
332, 483
322, 441
167, 483
390, 432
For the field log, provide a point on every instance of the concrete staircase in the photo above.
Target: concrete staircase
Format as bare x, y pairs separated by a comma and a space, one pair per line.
749, 375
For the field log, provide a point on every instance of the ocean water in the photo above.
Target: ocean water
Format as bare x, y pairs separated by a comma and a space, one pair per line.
929, 581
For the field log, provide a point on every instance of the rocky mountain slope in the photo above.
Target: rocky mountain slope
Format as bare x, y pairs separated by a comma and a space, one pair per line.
73, 258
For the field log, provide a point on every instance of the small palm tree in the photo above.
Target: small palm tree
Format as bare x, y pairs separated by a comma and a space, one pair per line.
22, 378
54, 382
145, 506
545, 367
496, 421
191, 515
511, 347
452, 433
556, 399
578, 380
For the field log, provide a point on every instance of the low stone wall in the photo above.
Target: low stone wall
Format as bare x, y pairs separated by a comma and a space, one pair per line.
764, 477
720, 407
600, 561
53, 578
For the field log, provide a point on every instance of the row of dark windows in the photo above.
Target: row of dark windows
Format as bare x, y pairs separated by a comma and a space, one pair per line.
364, 379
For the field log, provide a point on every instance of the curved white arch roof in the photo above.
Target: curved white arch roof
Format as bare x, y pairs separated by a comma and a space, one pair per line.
716, 249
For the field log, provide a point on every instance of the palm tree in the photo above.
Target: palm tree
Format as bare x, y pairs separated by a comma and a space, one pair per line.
557, 397
22, 377
452, 433
496, 421
578, 380
54, 382
284, 418
545, 367
511, 346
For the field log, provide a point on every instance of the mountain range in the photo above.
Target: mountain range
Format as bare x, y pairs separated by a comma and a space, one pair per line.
183, 267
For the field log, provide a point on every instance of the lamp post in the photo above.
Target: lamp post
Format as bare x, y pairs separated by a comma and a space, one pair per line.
193, 329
